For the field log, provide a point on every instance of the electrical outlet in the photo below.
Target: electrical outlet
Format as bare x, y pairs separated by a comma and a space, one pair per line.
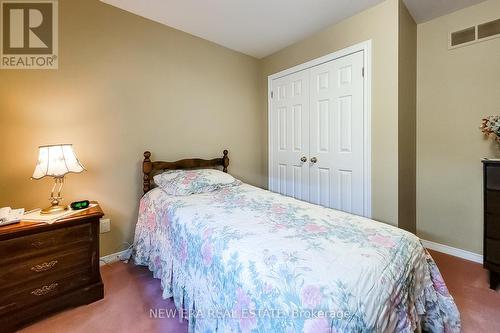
105, 225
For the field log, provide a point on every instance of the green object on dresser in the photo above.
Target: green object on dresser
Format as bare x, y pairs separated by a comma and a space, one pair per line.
77, 205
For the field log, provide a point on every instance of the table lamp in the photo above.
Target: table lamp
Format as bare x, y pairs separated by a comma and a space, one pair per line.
56, 161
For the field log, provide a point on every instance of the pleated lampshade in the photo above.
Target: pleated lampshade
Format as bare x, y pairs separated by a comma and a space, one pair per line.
56, 161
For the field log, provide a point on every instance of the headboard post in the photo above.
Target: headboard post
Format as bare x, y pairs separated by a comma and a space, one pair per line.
225, 160
147, 168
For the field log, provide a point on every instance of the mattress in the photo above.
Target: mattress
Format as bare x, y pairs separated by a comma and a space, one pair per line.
243, 259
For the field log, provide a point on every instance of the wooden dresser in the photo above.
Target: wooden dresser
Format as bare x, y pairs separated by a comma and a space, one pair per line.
491, 250
46, 268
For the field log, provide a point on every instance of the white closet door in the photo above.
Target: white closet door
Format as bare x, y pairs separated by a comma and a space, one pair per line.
289, 139
336, 134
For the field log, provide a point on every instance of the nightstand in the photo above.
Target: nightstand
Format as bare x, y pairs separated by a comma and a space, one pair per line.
45, 268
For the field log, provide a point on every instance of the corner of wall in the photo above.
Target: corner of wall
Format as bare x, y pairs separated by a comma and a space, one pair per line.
407, 108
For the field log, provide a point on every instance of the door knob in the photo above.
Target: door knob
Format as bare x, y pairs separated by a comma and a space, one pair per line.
303, 159
314, 160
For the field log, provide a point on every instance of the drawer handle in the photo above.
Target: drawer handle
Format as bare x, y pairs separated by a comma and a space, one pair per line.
44, 267
40, 244
45, 289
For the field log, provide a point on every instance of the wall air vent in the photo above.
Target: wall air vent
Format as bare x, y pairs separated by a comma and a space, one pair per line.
471, 35
489, 29
463, 36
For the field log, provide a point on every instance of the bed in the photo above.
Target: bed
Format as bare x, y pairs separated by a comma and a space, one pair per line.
243, 259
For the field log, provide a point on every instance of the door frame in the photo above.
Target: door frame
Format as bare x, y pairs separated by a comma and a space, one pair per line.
365, 46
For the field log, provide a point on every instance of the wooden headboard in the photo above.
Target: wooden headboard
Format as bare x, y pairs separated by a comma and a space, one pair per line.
150, 168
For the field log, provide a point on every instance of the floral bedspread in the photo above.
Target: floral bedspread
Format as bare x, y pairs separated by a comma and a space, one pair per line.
242, 259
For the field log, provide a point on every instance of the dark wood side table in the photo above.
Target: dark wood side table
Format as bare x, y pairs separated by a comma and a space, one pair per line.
491, 250
45, 268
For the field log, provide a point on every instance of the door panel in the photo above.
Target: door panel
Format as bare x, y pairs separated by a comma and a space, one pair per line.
318, 113
289, 139
345, 190
337, 134
324, 181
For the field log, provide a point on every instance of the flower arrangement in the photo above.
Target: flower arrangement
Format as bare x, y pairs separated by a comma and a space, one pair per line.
491, 125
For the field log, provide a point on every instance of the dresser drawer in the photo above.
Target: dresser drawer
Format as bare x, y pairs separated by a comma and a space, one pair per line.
43, 242
493, 251
19, 272
492, 177
42, 289
492, 226
492, 202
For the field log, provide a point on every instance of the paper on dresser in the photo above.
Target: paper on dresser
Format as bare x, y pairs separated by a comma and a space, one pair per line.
8, 215
37, 216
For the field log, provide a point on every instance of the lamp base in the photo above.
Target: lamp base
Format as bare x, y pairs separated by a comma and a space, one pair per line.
53, 209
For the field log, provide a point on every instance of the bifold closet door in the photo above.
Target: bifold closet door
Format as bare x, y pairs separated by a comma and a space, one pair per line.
289, 136
337, 134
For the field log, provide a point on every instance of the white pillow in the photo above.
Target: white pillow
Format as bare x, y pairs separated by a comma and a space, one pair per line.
186, 182
166, 176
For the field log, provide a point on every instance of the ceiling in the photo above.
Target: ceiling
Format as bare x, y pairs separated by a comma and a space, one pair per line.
254, 27
261, 27
426, 10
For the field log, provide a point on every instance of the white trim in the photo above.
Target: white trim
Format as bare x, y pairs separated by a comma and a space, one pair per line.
269, 135
115, 257
366, 47
363, 46
453, 251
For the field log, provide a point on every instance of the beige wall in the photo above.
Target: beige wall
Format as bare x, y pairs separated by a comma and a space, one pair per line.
380, 24
456, 88
126, 84
407, 103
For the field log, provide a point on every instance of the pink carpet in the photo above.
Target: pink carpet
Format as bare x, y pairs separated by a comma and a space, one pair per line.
131, 291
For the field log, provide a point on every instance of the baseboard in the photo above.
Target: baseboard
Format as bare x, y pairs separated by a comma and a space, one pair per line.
453, 251
115, 257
